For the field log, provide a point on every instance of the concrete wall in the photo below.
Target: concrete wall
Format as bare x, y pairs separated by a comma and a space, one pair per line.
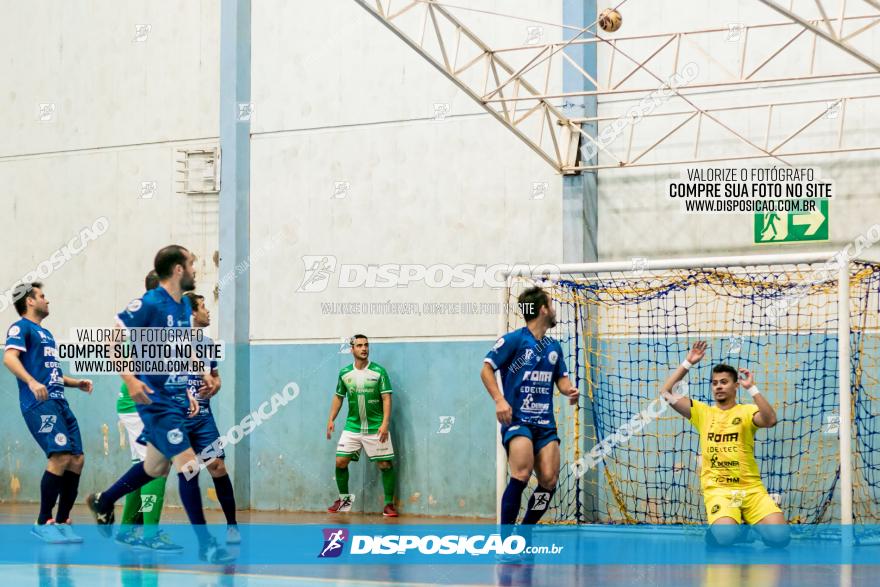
344, 101
347, 163
449, 473
337, 98
123, 99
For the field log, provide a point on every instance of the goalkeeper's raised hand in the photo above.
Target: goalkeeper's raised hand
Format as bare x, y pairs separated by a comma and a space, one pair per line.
697, 352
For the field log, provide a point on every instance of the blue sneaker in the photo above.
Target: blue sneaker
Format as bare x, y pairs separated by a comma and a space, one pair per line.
161, 543
129, 538
48, 533
70, 536
233, 536
212, 553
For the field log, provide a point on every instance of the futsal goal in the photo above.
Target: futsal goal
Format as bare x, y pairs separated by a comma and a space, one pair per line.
807, 325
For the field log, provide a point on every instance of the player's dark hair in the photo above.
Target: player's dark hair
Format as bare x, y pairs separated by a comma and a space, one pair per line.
151, 281
167, 258
531, 301
21, 292
355, 337
723, 368
194, 299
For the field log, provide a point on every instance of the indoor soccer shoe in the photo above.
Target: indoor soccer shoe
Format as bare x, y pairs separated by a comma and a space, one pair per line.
70, 536
212, 553
390, 511
162, 544
48, 533
104, 519
129, 538
233, 536
343, 504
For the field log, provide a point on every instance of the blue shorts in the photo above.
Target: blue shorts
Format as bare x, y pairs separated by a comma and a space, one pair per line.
203, 432
54, 427
539, 436
165, 424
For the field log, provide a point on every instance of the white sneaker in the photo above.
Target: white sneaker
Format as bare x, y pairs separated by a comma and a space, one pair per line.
48, 533
233, 536
70, 536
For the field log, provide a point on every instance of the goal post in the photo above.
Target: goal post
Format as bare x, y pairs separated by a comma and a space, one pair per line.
808, 324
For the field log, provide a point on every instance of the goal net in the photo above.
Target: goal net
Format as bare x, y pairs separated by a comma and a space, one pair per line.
628, 458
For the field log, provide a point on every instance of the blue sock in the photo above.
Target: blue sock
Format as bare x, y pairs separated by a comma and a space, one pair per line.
50, 487
511, 500
134, 478
226, 497
191, 498
67, 497
538, 504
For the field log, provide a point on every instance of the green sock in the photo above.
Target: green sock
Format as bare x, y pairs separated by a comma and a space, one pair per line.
389, 476
152, 498
342, 480
132, 505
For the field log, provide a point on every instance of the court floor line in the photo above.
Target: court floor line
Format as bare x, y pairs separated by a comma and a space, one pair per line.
160, 570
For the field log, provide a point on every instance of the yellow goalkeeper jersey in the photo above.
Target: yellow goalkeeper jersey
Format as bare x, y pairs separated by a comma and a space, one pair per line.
727, 444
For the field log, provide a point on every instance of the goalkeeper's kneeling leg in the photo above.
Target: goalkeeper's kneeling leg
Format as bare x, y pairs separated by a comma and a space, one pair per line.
774, 535
719, 535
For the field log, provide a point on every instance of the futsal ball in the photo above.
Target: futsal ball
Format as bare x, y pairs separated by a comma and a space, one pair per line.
610, 20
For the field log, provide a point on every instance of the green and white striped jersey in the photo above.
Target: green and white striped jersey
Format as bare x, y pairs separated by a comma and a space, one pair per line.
364, 388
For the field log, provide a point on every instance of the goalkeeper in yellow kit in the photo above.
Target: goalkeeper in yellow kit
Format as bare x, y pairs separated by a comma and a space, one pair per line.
730, 480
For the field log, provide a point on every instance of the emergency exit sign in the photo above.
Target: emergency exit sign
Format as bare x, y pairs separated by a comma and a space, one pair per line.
792, 227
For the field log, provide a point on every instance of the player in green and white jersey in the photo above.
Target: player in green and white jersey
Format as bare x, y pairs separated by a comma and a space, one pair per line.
368, 388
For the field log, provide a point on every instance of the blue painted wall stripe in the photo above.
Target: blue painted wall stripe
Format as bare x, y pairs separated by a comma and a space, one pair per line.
235, 94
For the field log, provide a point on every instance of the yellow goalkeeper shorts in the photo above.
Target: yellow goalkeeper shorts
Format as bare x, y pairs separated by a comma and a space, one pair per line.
752, 504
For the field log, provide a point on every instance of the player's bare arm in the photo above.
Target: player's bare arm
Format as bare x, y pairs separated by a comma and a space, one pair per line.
335, 406
81, 384
680, 403
567, 388
503, 411
12, 360
766, 416
386, 417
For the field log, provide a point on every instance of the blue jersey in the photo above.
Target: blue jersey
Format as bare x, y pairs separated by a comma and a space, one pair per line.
40, 360
157, 309
195, 382
528, 369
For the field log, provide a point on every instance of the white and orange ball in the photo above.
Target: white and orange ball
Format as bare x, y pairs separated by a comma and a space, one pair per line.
610, 20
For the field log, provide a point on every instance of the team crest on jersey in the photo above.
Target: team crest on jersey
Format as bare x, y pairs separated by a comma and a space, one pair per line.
715, 508
42, 334
47, 423
552, 357
60, 439
498, 344
134, 305
175, 436
13, 331
737, 420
